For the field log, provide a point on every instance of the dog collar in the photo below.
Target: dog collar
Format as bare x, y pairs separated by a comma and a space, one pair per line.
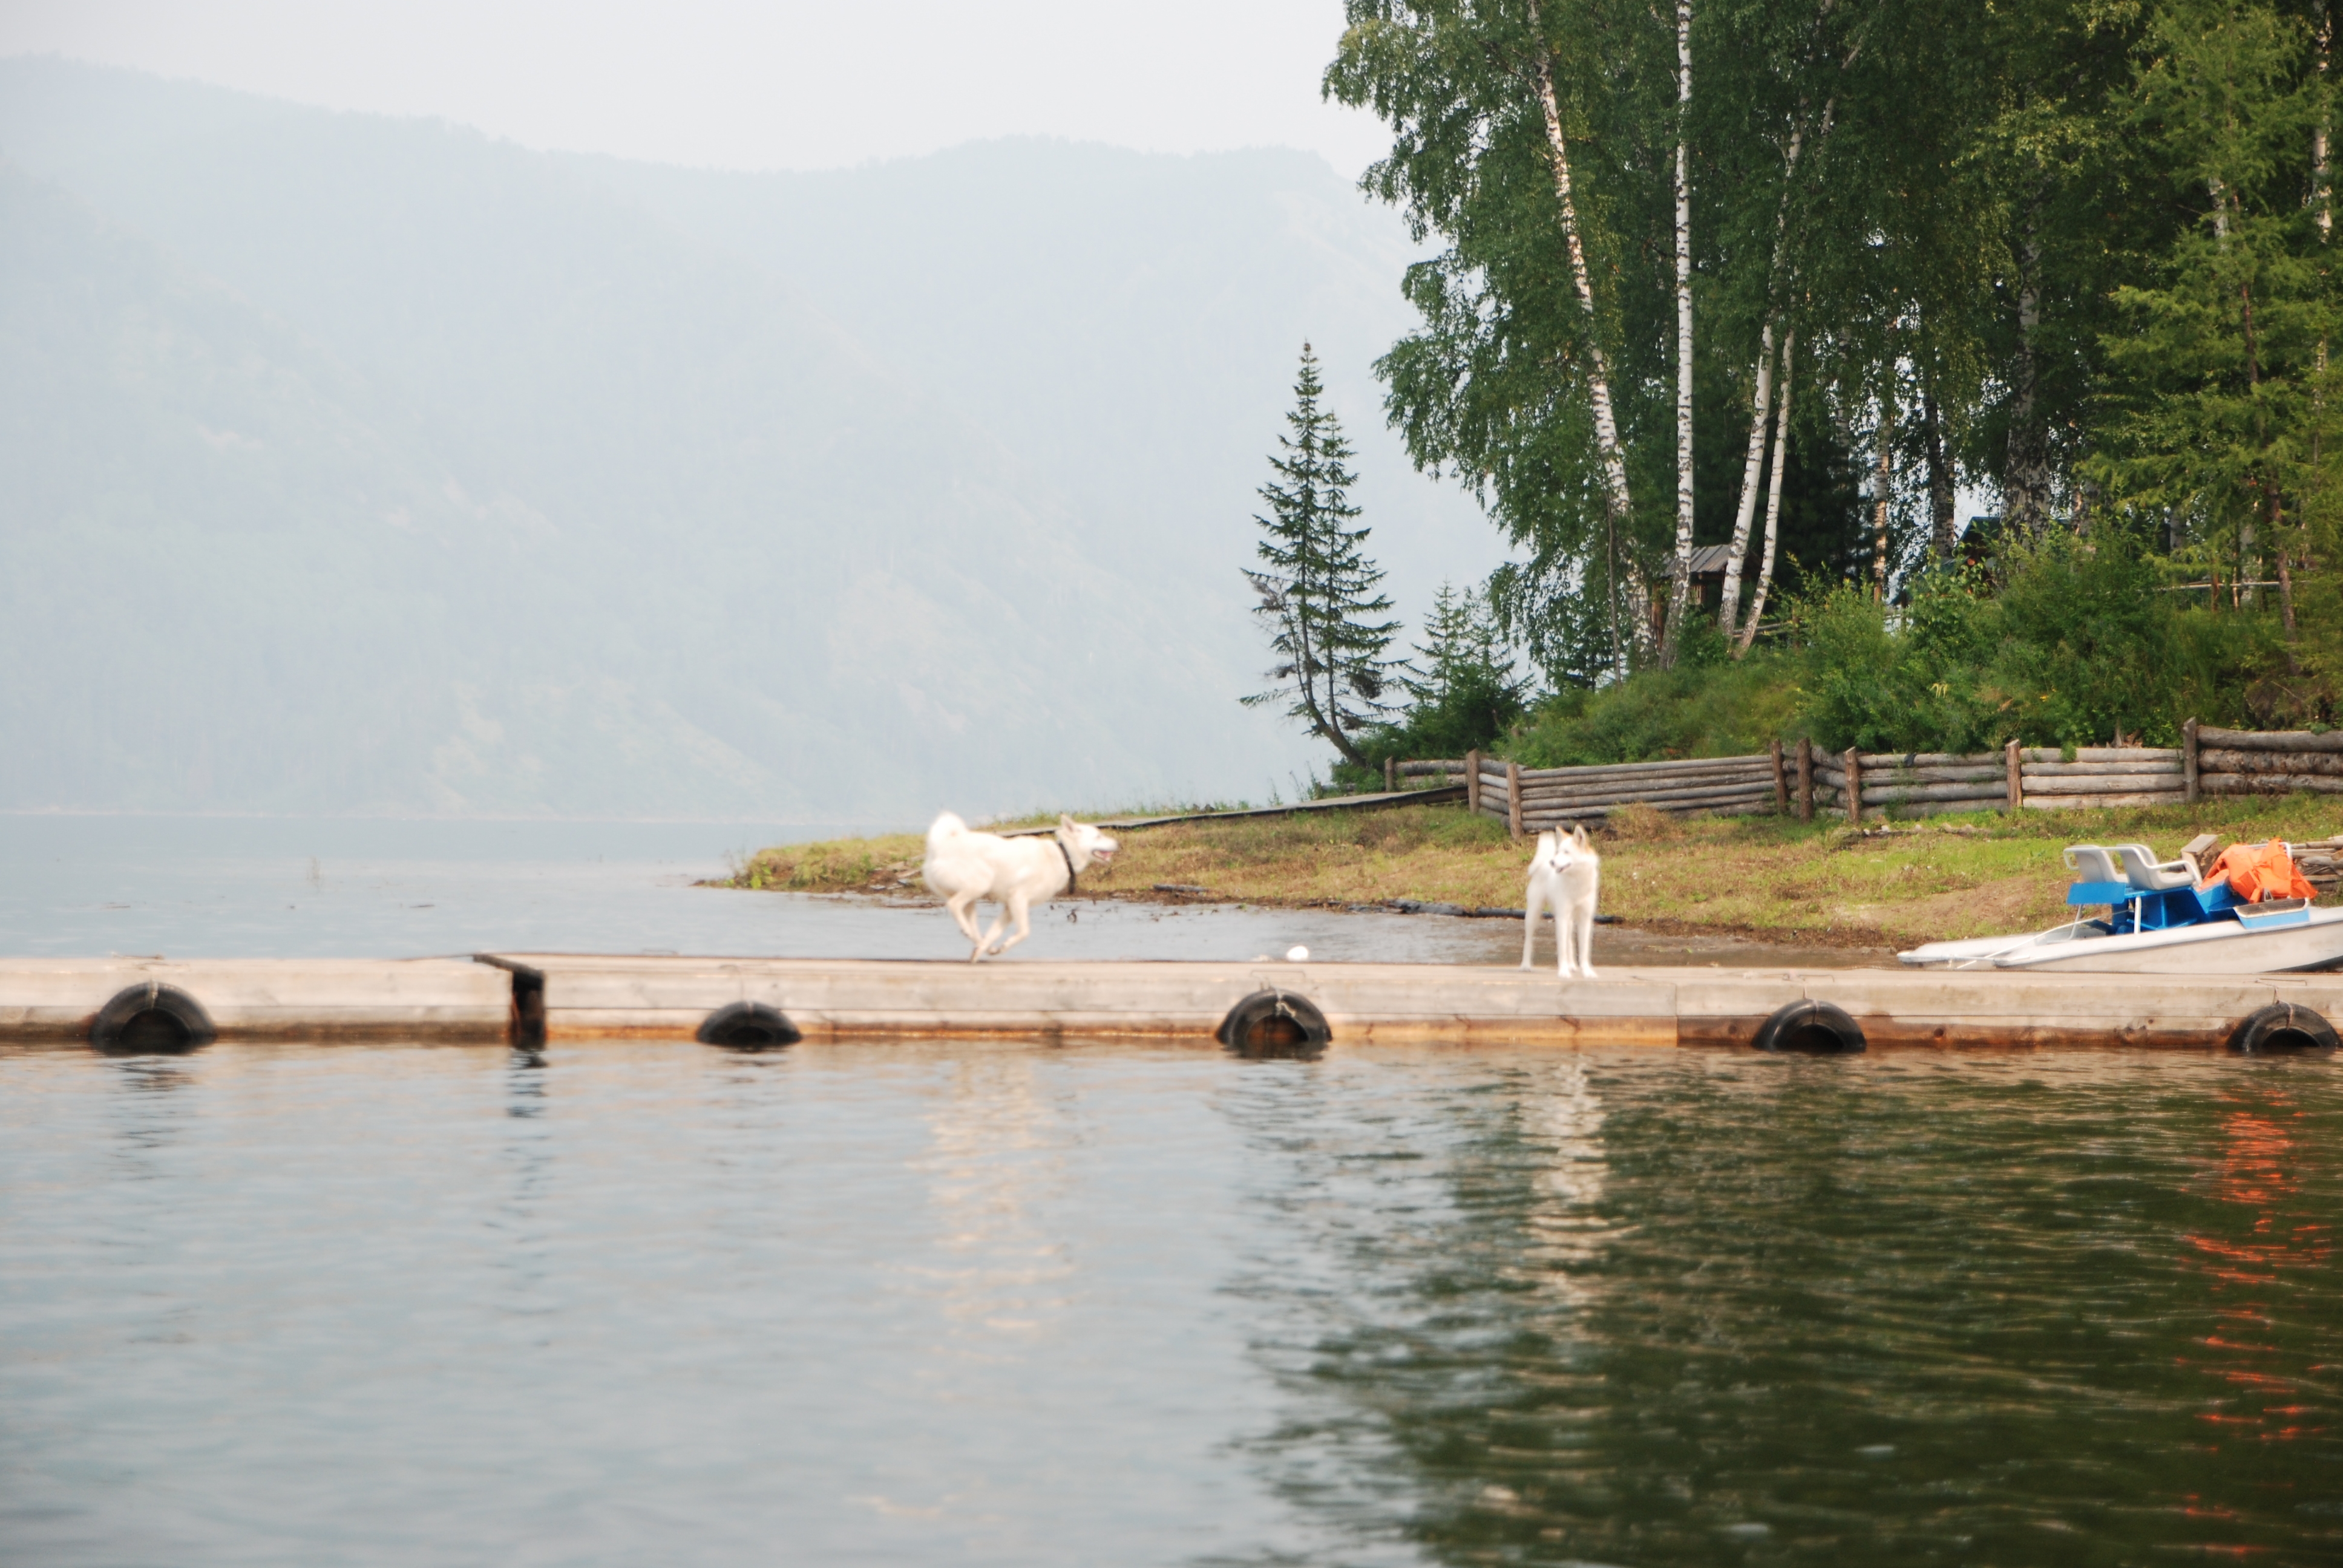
1067, 856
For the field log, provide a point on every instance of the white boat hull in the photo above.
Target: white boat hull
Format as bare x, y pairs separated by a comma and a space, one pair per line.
2215, 947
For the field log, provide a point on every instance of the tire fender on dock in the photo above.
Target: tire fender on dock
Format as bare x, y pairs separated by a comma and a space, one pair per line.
748, 1026
153, 1016
1270, 1024
2282, 1029
1810, 1029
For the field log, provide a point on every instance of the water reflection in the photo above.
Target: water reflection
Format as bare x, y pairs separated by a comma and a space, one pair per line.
2265, 1245
1806, 1312
995, 1162
1064, 1304
1561, 1112
150, 1106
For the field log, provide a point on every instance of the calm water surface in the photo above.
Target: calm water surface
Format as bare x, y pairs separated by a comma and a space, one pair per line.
912, 1304
280, 887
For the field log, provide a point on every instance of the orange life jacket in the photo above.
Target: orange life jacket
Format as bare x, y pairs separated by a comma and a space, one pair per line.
2258, 871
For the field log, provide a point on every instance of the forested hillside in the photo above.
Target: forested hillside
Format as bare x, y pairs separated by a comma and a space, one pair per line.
369, 465
1788, 277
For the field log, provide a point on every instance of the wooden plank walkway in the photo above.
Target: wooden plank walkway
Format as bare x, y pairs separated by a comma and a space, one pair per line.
586, 997
535, 998
262, 998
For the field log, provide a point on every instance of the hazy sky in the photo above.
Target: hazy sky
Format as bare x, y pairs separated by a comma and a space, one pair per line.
774, 84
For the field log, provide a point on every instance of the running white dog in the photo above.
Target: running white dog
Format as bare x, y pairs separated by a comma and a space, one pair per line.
1565, 875
965, 866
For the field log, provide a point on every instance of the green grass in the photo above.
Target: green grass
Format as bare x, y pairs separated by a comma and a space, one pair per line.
1942, 877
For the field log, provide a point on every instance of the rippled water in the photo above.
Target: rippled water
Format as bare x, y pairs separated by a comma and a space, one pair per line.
911, 1304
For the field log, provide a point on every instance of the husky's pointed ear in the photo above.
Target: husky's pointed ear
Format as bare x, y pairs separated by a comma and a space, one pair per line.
1578, 835
1066, 821
1548, 841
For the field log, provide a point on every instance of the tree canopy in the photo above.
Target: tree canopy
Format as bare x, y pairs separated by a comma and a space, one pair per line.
2070, 255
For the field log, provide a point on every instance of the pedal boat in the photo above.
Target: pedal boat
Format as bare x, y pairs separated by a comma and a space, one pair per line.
2159, 921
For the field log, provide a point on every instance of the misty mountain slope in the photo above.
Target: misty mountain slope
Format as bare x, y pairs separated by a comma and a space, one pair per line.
1130, 322
600, 510
193, 513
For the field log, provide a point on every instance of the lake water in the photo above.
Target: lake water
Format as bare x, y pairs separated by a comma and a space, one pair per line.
899, 1304
354, 886
915, 1303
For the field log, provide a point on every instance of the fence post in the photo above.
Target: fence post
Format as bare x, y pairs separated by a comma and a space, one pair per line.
2016, 778
1805, 779
1781, 784
1853, 786
1513, 799
1472, 782
2188, 762
1391, 775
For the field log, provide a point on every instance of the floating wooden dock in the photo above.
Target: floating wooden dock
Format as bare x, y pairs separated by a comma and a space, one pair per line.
538, 999
258, 999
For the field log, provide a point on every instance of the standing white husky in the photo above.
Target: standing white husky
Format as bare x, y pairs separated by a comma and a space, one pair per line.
1566, 874
965, 866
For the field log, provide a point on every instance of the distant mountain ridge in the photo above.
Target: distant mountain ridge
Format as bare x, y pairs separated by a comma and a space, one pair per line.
360, 464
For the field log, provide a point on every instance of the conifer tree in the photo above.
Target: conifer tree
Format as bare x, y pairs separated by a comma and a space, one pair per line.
1462, 688
1317, 587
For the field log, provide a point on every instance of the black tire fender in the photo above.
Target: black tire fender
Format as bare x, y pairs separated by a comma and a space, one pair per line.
1810, 1029
748, 1026
152, 1018
2283, 1028
1274, 1024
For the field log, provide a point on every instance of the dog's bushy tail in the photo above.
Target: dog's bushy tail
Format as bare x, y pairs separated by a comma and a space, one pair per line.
944, 828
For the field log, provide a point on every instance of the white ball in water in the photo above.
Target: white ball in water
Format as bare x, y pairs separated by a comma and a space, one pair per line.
1297, 955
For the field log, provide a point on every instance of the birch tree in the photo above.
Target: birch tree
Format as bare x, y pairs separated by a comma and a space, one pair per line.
1680, 576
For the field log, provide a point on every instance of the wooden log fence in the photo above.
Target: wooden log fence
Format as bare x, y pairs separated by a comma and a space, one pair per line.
1783, 779
2268, 761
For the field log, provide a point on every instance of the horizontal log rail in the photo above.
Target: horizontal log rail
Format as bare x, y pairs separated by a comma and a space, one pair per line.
2223, 760
2271, 739
2269, 783
1761, 791
1551, 786
1794, 777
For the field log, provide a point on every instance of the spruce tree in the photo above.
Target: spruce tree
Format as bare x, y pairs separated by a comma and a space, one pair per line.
1462, 689
1317, 587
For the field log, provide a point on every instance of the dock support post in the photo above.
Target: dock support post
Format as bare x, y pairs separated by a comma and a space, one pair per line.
2188, 762
2016, 778
1472, 782
1513, 799
1853, 786
1781, 784
1805, 779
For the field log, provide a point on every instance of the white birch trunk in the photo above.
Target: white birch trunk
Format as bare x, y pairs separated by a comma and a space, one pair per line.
2320, 196
1753, 470
1773, 496
1880, 479
2323, 199
1680, 582
1753, 466
1606, 426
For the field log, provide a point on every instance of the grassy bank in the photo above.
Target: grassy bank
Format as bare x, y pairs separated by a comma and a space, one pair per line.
1943, 877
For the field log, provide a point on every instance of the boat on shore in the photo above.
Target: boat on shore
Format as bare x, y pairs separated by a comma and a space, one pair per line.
2164, 918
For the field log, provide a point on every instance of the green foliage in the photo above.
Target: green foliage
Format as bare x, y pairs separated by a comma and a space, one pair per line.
1719, 707
1317, 592
1464, 693
2076, 252
1924, 686
2076, 648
